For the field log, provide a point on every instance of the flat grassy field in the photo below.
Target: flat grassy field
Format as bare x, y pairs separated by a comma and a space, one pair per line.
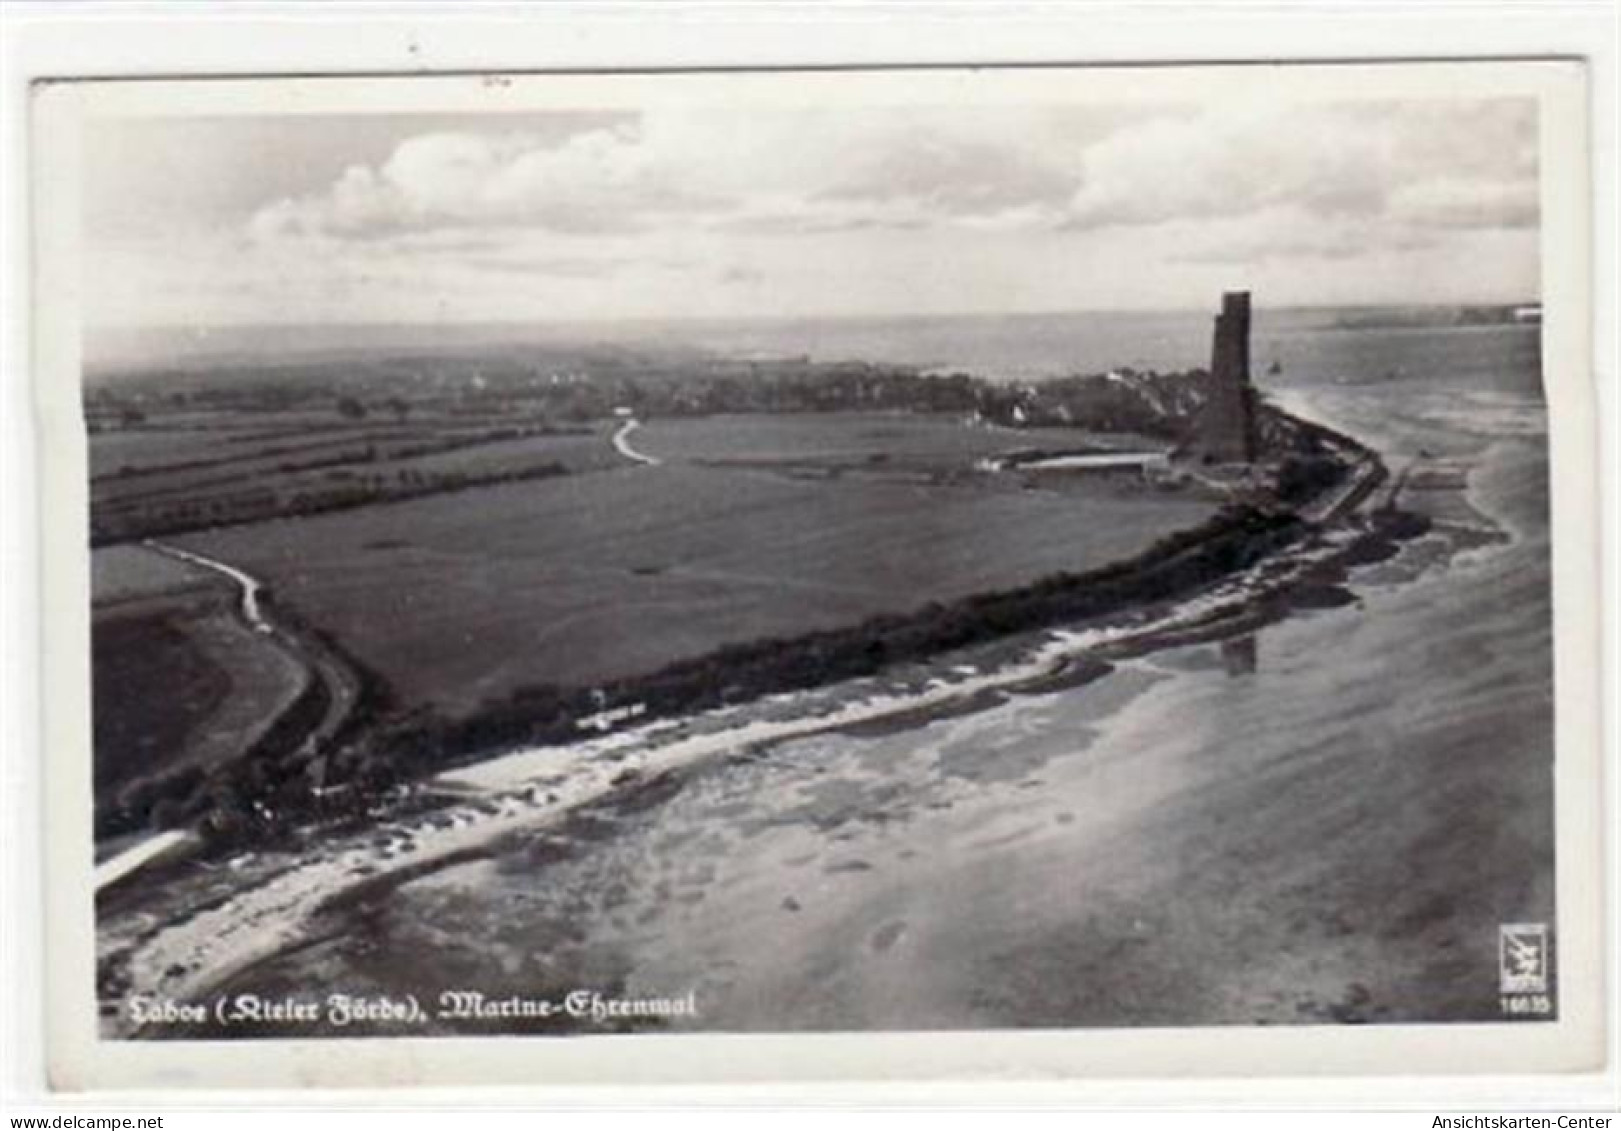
132, 573
181, 684
590, 451
134, 454
153, 686
177, 679
900, 440
162, 478
460, 599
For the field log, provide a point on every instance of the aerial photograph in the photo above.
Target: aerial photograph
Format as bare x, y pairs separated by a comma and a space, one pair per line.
704, 563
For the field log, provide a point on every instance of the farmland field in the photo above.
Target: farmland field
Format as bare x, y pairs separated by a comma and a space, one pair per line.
588, 451
153, 687
850, 439
457, 600
195, 687
315, 465
134, 453
129, 573
178, 679
163, 479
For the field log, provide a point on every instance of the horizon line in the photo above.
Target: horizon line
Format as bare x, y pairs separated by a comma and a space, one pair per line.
588, 320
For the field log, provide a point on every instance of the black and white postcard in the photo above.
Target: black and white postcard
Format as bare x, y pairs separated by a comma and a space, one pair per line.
932, 570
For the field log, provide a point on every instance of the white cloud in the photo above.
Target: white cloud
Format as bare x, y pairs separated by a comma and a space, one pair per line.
599, 180
773, 173
1332, 161
729, 211
1292, 233
819, 172
1452, 202
1226, 164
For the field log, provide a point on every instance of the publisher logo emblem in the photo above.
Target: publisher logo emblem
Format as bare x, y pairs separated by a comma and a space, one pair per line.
1522, 958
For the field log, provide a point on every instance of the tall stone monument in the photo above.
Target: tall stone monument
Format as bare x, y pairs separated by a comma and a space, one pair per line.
1224, 431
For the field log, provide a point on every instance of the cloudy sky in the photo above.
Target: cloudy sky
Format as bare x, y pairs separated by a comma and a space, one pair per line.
736, 212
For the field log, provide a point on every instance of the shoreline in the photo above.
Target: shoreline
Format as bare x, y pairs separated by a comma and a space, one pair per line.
467, 811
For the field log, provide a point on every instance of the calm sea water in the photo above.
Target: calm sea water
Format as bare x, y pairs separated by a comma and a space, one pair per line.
1033, 346
1022, 346
1322, 823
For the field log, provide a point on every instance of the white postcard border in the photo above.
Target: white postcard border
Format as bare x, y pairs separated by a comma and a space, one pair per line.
80, 1059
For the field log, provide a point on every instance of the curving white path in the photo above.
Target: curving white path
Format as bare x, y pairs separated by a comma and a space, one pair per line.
247, 583
622, 445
